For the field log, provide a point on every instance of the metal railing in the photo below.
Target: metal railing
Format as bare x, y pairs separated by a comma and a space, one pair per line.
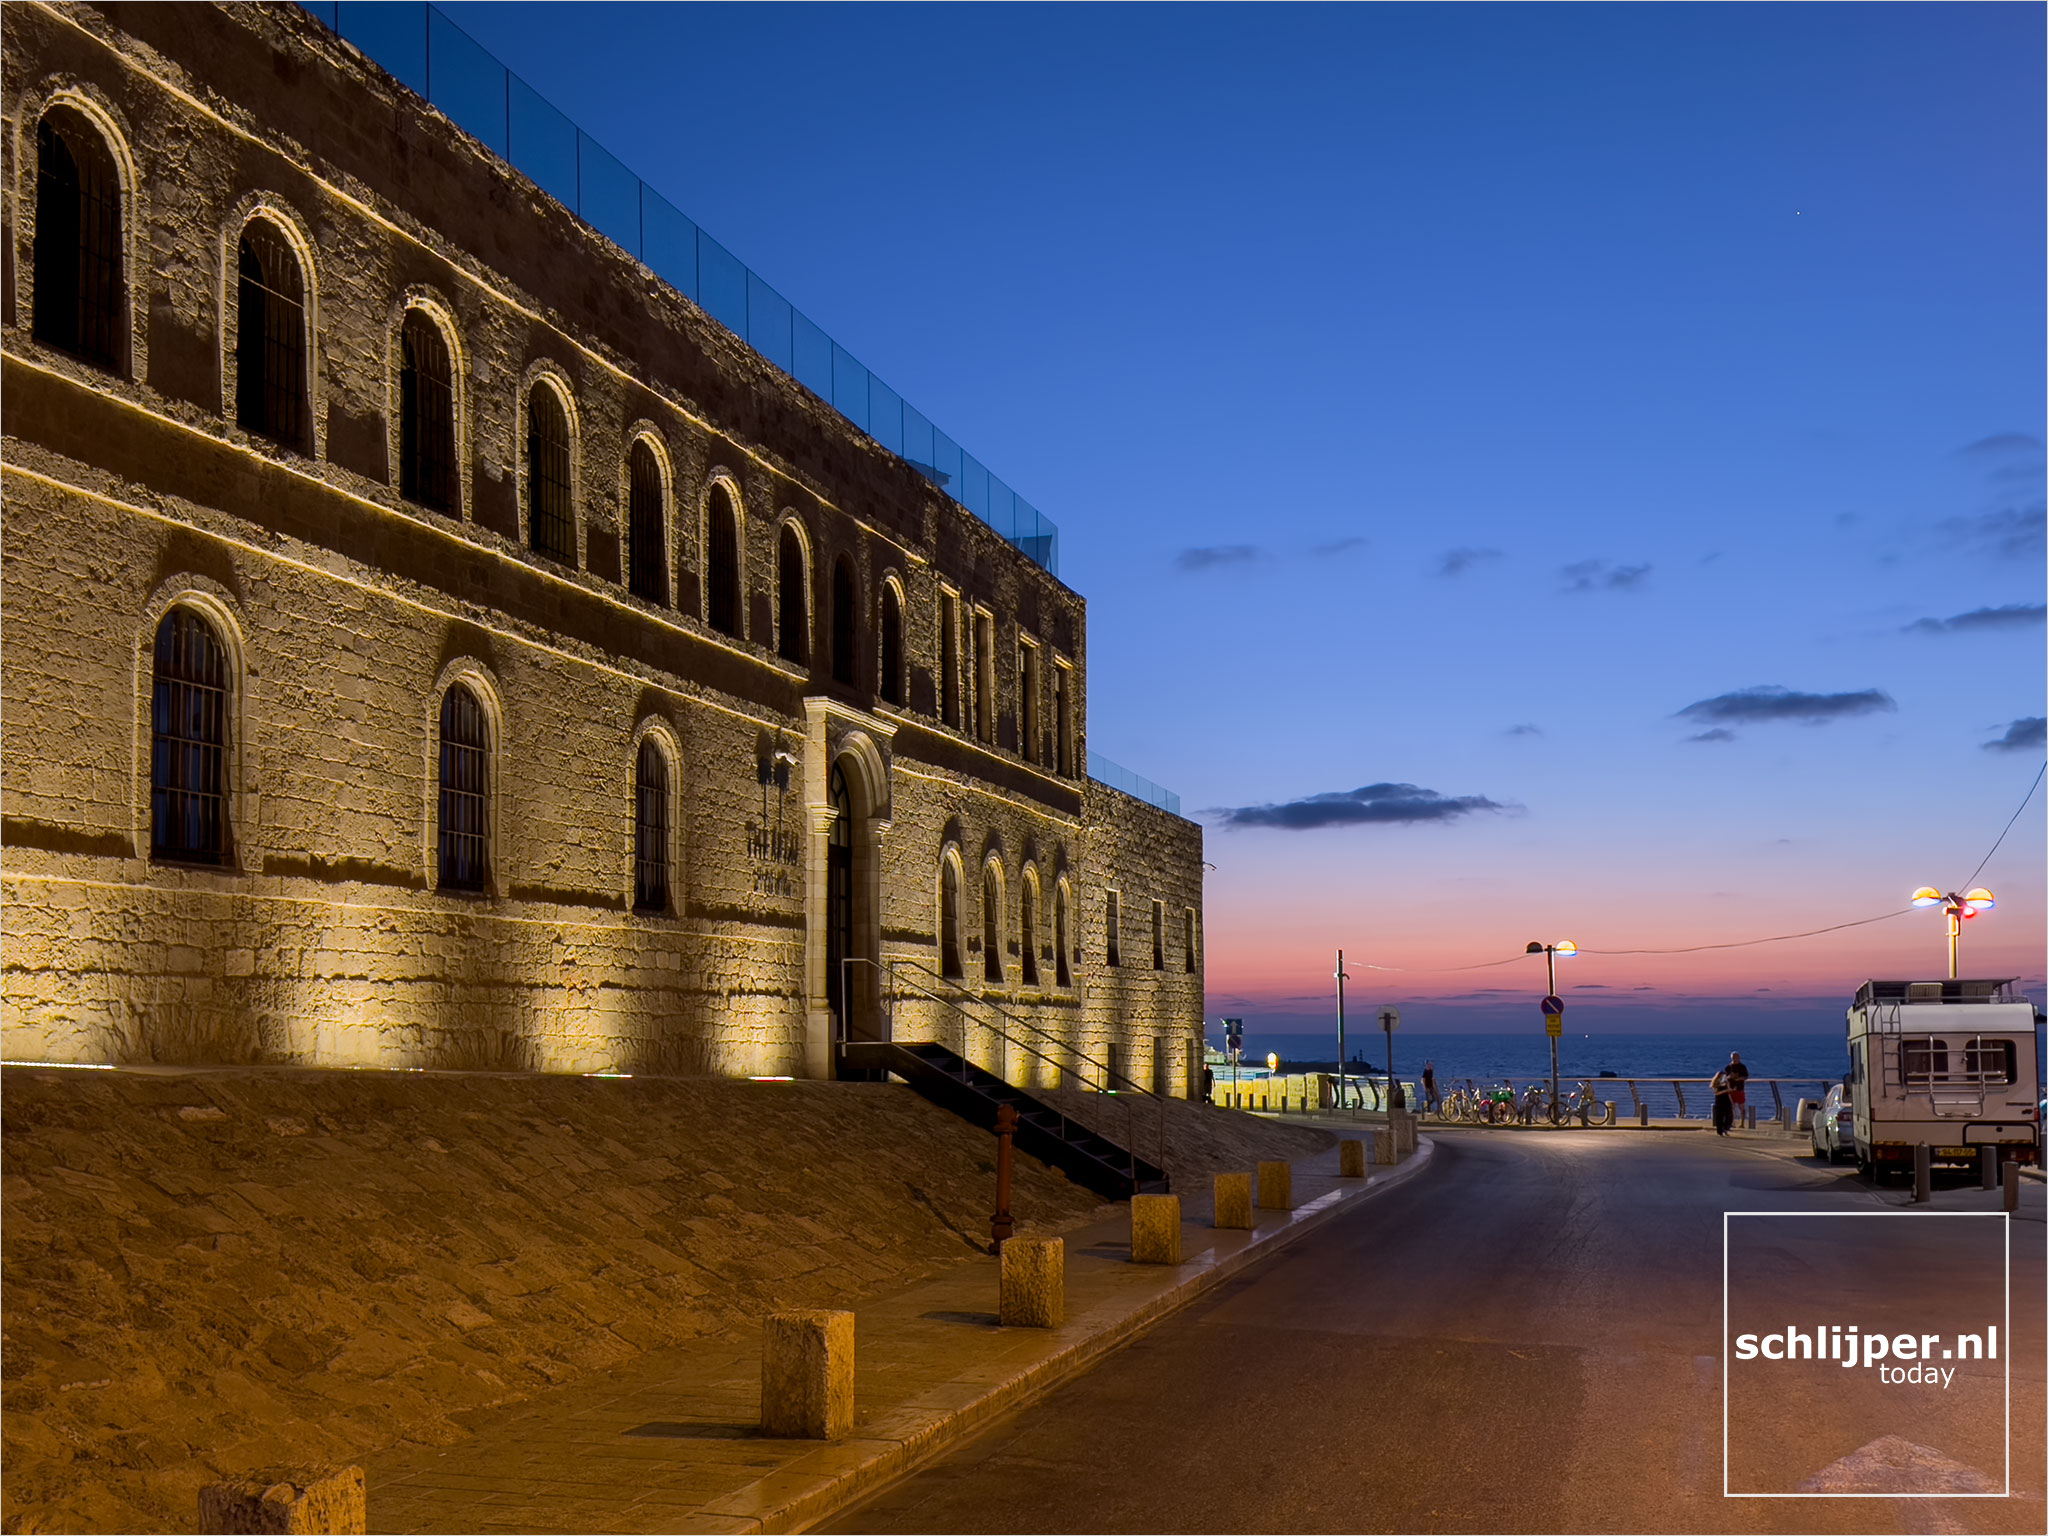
1136, 785
1667, 1098
422, 48
892, 973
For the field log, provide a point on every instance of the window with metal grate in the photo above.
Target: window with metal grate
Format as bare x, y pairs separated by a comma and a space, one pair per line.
81, 296
270, 339
650, 828
188, 799
426, 415
465, 800
551, 525
647, 525
892, 646
722, 564
791, 608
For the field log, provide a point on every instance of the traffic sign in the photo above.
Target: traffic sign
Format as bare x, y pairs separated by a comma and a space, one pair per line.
1553, 1005
1554, 1026
1389, 1017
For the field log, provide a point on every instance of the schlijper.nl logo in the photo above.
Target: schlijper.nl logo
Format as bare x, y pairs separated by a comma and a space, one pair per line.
1900, 1359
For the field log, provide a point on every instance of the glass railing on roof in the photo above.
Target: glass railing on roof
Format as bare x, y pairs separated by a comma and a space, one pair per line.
1136, 785
418, 44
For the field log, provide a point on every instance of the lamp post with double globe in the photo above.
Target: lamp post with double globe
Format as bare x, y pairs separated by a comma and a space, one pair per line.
1958, 909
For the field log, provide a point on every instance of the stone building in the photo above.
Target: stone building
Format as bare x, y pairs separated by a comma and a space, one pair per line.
431, 640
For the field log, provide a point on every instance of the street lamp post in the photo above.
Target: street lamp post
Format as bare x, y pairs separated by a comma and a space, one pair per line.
1340, 1031
1957, 908
1553, 1010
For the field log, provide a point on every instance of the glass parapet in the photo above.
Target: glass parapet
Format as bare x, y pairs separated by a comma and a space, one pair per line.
418, 44
1136, 785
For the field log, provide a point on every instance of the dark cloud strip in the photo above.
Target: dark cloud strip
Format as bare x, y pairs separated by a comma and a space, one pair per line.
2026, 735
1599, 576
1999, 443
1205, 557
2011, 616
1768, 704
1370, 805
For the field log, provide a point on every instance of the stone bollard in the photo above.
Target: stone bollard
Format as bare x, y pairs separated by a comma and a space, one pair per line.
1276, 1186
1034, 1282
1610, 1113
807, 1375
1350, 1159
1402, 1124
2011, 1187
1383, 1148
1802, 1115
1234, 1202
1643, 1115
299, 1499
1987, 1165
1155, 1229
1923, 1173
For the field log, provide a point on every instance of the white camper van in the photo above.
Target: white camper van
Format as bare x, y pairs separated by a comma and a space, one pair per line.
1946, 1064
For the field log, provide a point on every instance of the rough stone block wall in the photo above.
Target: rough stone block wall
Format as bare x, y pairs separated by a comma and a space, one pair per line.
347, 611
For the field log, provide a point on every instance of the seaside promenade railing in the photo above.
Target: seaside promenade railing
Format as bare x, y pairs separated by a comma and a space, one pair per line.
421, 47
1670, 1098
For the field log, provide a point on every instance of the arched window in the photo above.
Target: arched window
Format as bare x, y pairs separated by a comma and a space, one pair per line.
551, 523
722, 576
647, 524
950, 963
426, 414
844, 626
270, 336
791, 609
465, 791
1062, 966
892, 646
650, 828
991, 925
81, 291
188, 759
1028, 934
1187, 926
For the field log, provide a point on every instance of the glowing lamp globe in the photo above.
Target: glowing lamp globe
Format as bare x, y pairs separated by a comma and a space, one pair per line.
1273, 1061
1980, 900
1927, 896
1565, 949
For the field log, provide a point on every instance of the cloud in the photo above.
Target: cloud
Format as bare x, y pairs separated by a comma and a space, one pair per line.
1524, 730
1371, 805
1718, 733
2027, 735
2011, 533
2011, 616
1999, 444
1202, 557
1770, 703
1455, 562
1338, 547
1599, 576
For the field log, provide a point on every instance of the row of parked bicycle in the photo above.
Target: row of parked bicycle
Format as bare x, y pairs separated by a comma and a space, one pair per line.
1502, 1106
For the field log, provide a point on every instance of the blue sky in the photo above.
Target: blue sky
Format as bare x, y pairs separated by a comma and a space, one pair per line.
1450, 397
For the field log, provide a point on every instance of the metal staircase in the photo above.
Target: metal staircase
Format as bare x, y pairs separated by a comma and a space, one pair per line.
954, 1083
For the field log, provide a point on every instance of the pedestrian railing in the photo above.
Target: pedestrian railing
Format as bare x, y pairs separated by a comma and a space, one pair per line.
1670, 1098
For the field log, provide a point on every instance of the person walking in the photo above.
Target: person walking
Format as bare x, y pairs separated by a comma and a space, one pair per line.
1429, 1099
1724, 1108
1738, 1079
1208, 1085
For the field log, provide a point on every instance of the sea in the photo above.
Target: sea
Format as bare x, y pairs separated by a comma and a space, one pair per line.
1526, 1054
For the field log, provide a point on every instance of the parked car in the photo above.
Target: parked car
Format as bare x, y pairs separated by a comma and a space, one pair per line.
1834, 1126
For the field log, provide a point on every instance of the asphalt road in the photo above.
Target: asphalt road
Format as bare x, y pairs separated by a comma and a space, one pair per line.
1526, 1337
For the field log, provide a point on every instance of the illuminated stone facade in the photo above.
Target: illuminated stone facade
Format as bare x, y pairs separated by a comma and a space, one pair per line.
150, 480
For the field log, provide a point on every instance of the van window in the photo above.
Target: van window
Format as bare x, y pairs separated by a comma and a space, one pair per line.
1922, 1060
1990, 1061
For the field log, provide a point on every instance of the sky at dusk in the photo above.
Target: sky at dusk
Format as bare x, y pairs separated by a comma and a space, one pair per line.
1535, 472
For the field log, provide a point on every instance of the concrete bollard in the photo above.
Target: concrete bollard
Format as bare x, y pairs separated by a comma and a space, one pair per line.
1610, 1113
290, 1500
1234, 1202
1987, 1165
1643, 1115
1155, 1229
1923, 1173
1402, 1124
2011, 1187
1383, 1148
807, 1375
1034, 1282
1276, 1186
1802, 1115
1350, 1159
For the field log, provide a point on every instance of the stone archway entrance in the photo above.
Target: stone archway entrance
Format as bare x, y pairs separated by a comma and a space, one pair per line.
847, 779
839, 927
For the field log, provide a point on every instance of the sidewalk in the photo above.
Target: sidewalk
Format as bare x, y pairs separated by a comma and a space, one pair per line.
669, 1443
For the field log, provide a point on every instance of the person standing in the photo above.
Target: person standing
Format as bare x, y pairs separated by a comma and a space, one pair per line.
1208, 1084
1724, 1109
1429, 1099
1738, 1078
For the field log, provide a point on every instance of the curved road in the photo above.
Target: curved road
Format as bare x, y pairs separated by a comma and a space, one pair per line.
1526, 1337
